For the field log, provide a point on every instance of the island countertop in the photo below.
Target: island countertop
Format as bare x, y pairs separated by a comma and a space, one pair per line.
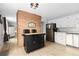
34, 33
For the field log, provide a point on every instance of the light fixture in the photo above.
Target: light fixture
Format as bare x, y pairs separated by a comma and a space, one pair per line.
31, 25
34, 5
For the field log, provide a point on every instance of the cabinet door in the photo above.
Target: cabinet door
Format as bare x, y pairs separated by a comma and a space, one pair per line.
39, 39
75, 40
28, 43
60, 38
69, 40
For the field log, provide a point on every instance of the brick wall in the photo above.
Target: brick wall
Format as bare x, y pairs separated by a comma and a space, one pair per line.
23, 18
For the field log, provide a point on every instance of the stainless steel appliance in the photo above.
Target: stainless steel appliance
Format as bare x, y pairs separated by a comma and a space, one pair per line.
50, 29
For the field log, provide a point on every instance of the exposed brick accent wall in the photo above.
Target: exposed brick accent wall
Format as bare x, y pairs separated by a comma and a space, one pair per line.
23, 18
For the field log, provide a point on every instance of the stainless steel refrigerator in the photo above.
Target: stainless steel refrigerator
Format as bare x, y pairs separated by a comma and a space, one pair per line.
50, 31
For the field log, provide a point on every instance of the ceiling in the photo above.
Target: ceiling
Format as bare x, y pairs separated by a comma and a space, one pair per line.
46, 10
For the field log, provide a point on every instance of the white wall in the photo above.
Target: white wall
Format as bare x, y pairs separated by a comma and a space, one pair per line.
11, 19
44, 24
2, 30
12, 31
68, 23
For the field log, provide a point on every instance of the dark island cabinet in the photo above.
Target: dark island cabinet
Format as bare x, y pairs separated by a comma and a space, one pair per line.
33, 42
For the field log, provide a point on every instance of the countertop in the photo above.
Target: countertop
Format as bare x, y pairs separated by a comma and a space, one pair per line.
69, 32
34, 34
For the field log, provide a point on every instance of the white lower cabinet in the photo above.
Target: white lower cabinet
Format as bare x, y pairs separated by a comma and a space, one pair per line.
60, 38
75, 40
69, 40
72, 40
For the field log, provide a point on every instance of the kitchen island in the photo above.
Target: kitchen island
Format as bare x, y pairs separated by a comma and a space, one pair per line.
33, 41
